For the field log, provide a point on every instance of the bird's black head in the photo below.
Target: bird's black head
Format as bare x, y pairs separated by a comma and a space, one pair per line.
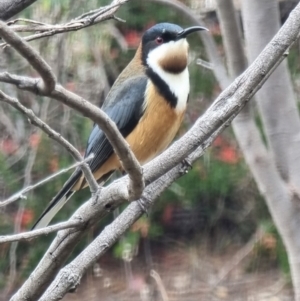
165, 44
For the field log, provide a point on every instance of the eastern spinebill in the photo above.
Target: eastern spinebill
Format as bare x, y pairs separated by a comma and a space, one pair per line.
147, 102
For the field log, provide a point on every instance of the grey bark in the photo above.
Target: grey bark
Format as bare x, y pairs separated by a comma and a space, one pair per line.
9, 8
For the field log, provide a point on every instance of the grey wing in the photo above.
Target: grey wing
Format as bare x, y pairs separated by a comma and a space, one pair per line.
125, 108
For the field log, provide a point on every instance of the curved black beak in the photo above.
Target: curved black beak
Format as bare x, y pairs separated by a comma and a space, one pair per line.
182, 34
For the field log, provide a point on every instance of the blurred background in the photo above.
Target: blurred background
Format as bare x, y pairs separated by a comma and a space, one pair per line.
210, 235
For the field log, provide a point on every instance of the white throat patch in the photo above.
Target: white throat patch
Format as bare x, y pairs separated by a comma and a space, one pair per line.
178, 83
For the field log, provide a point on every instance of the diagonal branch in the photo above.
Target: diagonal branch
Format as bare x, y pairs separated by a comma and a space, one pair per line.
119, 226
21, 194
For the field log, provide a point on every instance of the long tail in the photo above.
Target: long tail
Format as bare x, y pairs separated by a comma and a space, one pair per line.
58, 201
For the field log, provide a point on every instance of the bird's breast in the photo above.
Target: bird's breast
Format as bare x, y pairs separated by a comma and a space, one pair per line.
157, 127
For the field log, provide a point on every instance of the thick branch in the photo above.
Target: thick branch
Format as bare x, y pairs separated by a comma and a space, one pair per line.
279, 112
69, 277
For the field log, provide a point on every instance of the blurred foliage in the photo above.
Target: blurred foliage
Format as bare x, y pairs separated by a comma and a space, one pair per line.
216, 201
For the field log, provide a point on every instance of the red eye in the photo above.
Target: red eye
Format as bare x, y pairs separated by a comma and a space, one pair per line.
159, 40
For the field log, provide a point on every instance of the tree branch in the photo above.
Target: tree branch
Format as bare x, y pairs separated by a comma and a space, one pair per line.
69, 277
38, 232
53, 135
31, 55
21, 194
85, 20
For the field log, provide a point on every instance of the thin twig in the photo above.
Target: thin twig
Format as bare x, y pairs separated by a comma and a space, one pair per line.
17, 224
31, 55
21, 207
21, 194
85, 20
43, 231
53, 135
26, 21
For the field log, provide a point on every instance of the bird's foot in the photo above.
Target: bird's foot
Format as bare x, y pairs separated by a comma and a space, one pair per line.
186, 166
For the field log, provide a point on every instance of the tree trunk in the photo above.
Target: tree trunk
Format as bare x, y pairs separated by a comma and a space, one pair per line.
281, 122
277, 103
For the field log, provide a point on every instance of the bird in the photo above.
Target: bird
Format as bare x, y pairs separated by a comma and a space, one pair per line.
147, 102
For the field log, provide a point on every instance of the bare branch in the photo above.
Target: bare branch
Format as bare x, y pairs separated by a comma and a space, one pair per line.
43, 231
53, 135
31, 55
69, 277
85, 20
21, 194
25, 21
236, 58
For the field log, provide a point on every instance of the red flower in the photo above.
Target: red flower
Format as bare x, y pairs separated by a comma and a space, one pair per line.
8, 146
224, 151
132, 38
34, 140
54, 164
228, 155
26, 218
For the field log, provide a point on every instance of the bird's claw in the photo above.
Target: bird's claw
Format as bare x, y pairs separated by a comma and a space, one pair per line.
186, 166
